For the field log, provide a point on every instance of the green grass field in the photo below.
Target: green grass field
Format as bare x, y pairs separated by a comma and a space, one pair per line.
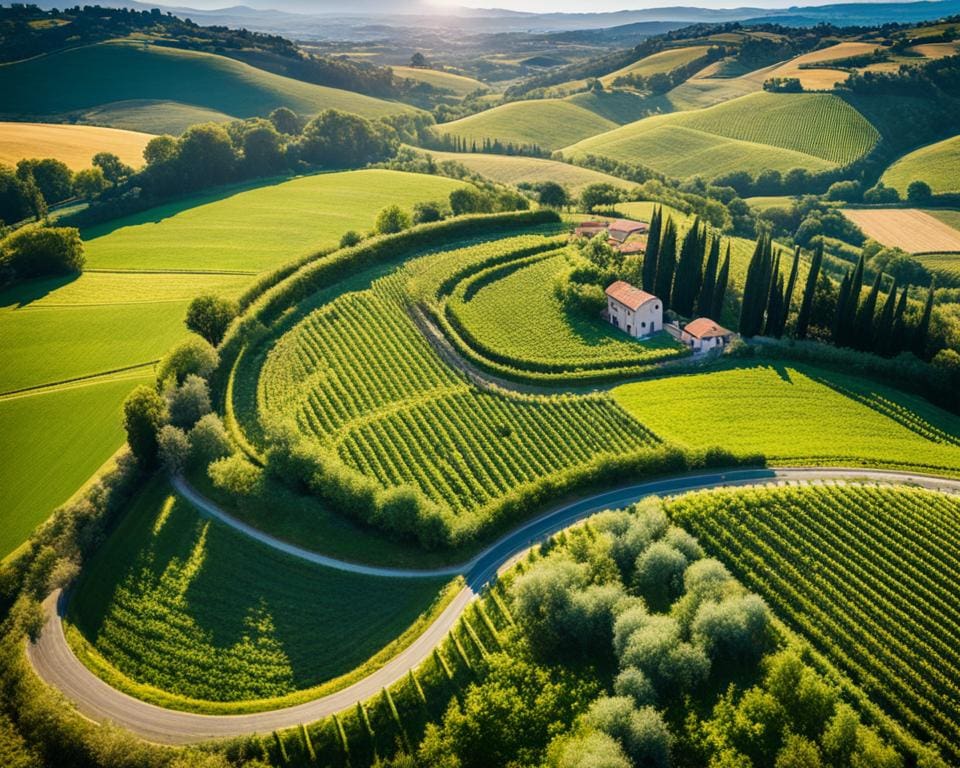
151, 116
61, 328
620, 106
459, 84
259, 228
937, 164
702, 92
865, 574
752, 133
53, 441
515, 169
795, 414
184, 605
536, 332
105, 73
548, 123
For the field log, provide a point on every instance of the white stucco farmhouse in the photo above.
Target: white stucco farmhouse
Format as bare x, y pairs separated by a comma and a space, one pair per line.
633, 310
703, 334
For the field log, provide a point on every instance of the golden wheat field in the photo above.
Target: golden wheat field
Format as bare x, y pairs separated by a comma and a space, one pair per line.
73, 144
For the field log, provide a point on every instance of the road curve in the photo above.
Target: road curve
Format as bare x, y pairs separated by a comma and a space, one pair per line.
56, 664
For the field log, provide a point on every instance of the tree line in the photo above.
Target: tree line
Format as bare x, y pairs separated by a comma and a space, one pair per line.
845, 316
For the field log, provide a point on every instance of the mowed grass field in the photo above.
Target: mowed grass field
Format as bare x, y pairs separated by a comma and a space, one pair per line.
459, 84
866, 574
515, 169
753, 133
936, 164
548, 123
75, 145
60, 329
258, 228
797, 415
53, 440
913, 230
179, 603
105, 73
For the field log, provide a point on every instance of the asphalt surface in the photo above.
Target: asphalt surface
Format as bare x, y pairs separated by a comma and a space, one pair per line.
56, 664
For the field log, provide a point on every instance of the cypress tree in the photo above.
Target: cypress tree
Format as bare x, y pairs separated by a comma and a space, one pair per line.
686, 284
848, 320
866, 316
922, 330
720, 290
666, 263
900, 323
883, 334
806, 305
788, 294
842, 300
653, 250
709, 283
756, 290
774, 299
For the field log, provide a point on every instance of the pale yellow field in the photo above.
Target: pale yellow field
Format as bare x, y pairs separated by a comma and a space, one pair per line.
73, 144
821, 79
912, 230
937, 50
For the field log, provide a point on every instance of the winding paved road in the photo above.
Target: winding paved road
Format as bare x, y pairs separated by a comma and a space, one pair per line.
56, 664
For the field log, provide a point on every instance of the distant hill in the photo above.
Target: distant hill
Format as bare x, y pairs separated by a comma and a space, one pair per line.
99, 75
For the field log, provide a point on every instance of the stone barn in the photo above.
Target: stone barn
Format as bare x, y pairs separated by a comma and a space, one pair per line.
633, 310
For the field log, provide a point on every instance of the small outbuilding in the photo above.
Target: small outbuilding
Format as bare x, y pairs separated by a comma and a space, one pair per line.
590, 229
633, 310
703, 334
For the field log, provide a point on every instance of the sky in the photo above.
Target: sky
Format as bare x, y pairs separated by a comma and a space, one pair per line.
594, 6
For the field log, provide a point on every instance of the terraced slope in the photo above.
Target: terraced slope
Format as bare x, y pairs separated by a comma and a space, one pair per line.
73, 144
752, 133
548, 123
936, 164
121, 70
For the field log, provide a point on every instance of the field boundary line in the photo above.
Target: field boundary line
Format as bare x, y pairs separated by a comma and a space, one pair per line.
53, 385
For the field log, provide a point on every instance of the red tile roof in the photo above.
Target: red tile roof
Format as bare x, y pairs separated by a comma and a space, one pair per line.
628, 295
705, 328
626, 225
638, 245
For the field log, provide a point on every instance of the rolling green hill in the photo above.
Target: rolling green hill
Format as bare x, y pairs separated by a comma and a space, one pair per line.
937, 164
151, 116
752, 133
548, 123
459, 84
658, 63
122, 70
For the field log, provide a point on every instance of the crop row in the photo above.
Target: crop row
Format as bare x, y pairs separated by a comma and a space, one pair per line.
867, 574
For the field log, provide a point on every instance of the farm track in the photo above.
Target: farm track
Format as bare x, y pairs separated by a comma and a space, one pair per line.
55, 663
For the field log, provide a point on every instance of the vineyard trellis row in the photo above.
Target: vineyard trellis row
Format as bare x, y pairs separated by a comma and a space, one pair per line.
865, 573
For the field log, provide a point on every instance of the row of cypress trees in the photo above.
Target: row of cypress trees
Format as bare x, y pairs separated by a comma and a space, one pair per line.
860, 323
691, 281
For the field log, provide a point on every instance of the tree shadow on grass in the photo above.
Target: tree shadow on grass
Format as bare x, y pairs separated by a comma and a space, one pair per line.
23, 294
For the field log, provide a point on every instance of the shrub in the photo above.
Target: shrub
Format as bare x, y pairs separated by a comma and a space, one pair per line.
210, 315
194, 356
209, 440
705, 579
735, 628
846, 191
174, 448
881, 194
143, 414
659, 575
391, 220
634, 683
919, 192
235, 474
188, 402
89, 182
350, 238
426, 212
470, 200
594, 749
37, 251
